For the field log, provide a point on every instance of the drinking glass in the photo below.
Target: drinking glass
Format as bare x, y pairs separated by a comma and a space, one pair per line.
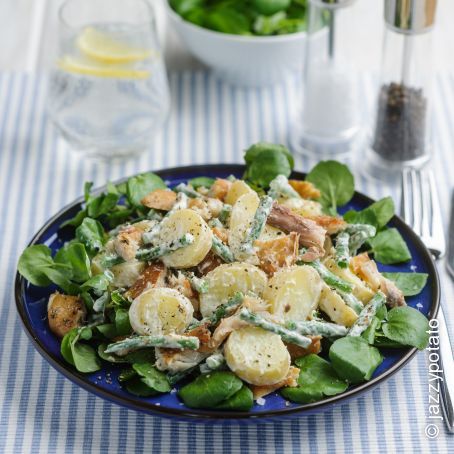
108, 92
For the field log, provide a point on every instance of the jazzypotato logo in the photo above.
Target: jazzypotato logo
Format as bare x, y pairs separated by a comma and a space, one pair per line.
435, 416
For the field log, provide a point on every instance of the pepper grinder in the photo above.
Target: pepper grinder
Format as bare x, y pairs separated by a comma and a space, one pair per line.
330, 118
402, 124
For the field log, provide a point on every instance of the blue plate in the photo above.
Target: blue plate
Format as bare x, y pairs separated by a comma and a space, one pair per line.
31, 304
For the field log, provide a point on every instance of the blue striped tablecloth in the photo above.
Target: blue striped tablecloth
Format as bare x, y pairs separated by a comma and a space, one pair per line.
40, 411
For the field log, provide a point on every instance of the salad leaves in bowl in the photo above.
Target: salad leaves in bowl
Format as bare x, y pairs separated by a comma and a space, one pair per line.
228, 291
245, 43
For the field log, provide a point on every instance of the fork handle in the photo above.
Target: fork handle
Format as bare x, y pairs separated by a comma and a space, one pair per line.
446, 365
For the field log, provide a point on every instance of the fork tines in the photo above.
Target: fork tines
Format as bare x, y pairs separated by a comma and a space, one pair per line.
420, 208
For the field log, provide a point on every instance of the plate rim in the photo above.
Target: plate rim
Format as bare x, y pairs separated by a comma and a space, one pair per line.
211, 415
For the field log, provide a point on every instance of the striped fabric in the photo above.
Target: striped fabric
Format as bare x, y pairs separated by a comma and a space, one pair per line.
40, 411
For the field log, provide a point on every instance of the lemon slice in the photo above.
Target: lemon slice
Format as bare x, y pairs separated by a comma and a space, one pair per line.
92, 68
103, 48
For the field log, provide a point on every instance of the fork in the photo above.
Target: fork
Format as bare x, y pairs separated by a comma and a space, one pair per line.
420, 208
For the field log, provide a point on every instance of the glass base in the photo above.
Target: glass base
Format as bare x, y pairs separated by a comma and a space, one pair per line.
106, 151
319, 146
378, 168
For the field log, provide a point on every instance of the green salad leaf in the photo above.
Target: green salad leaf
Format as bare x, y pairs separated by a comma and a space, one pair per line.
107, 330
409, 284
102, 204
210, 390
389, 247
82, 356
143, 379
98, 283
122, 324
242, 400
265, 161
378, 214
75, 255
317, 379
38, 267
245, 17
183, 7
270, 7
268, 25
91, 233
354, 359
407, 326
226, 19
139, 186
335, 182
373, 329
152, 377
136, 386
34, 262
201, 182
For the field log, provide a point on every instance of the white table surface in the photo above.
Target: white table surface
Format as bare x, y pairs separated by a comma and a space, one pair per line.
28, 35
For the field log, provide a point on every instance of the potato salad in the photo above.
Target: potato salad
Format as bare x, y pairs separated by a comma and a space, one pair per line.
229, 289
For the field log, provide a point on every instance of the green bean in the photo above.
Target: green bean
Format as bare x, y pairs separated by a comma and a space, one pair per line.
198, 284
281, 187
215, 222
154, 215
110, 260
150, 236
342, 250
351, 301
359, 234
257, 225
164, 249
330, 278
220, 312
222, 250
185, 189
317, 328
224, 214
367, 314
287, 335
226, 308
165, 341
213, 362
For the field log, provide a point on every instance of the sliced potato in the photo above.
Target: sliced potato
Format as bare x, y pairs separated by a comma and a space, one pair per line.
257, 356
360, 289
160, 311
125, 274
240, 220
227, 279
236, 190
303, 207
270, 233
174, 227
293, 292
336, 309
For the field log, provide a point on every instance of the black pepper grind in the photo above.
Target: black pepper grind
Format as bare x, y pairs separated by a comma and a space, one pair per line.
400, 130
401, 134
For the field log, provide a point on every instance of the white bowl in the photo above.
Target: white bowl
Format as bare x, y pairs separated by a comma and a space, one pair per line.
243, 60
